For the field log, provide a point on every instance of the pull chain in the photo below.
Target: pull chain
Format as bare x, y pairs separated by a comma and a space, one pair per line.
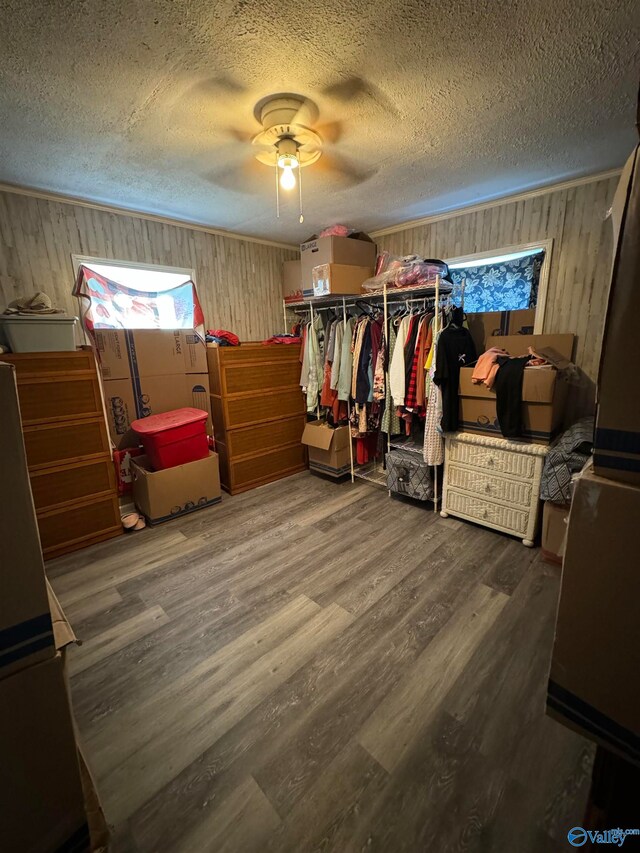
277, 192
300, 191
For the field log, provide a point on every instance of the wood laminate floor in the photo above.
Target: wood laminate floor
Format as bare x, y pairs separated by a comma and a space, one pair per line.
312, 666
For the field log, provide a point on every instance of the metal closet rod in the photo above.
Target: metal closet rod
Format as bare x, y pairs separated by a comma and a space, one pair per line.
397, 301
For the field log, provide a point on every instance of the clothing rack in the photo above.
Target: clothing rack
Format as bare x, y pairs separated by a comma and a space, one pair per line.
426, 294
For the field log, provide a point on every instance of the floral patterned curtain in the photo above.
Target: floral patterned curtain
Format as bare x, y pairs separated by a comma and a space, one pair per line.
506, 286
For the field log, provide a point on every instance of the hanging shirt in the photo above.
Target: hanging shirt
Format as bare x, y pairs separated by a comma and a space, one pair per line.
346, 357
337, 355
316, 362
396, 370
455, 350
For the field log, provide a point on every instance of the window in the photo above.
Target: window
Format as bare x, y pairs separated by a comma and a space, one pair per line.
505, 280
121, 295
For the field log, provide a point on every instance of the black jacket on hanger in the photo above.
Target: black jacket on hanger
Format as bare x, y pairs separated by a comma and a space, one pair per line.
455, 350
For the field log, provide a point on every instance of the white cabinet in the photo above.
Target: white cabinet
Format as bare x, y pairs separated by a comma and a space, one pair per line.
494, 482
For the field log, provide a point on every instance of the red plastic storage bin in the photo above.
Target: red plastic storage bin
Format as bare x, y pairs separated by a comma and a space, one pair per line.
174, 438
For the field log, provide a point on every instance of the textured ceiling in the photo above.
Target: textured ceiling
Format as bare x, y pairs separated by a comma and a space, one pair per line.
434, 105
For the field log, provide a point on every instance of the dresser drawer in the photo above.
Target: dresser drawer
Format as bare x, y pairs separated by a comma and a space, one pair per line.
492, 459
60, 485
50, 444
488, 485
268, 466
257, 408
252, 351
245, 378
68, 528
509, 519
257, 439
30, 364
59, 399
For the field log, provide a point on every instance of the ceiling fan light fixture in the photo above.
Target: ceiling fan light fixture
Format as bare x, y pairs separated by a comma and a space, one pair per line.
287, 161
287, 178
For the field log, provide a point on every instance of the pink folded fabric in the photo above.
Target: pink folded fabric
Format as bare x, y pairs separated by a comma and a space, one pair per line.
486, 368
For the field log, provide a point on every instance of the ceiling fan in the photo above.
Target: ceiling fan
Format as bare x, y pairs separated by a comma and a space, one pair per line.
286, 141
290, 139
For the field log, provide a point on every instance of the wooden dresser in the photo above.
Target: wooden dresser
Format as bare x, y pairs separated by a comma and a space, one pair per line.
68, 451
494, 482
258, 413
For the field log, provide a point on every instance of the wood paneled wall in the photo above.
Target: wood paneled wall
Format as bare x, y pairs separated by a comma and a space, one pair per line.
576, 220
239, 281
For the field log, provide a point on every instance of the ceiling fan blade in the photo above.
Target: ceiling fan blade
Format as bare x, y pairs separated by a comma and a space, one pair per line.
247, 177
353, 87
307, 114
340, 171
331, 131
219, 84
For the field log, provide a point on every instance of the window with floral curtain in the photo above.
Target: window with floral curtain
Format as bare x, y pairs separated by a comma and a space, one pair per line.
504, 283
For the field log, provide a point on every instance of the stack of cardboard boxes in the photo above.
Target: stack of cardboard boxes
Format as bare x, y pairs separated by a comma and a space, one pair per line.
543, 391
148, 371
594, 684
328, 265
41, 792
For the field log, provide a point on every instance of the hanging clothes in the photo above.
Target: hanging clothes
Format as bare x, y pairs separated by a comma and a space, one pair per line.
337, 356
413, 401
455, 349
304, 359
409, 352
433, 448
390, 420
346, 361
315, 336
364, 375
425, 346
396, 370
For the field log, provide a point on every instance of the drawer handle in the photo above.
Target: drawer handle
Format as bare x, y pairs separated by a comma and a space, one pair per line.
487, 488
485, 514
490, 460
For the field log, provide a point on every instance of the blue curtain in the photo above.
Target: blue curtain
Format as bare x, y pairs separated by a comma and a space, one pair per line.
506, 286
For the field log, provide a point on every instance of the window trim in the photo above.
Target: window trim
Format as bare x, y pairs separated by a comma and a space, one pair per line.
77, 260
545, 269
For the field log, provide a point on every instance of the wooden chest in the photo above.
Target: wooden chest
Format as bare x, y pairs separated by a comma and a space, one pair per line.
258, 413
68, 452
494, 482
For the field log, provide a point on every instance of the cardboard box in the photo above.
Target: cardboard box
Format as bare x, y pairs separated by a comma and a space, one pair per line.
26, 632
41, 802
163, 495
489, 324
617, 437
594, 686
543, 393
63, 633
554, 531
126, 401
292, 290
64, 636
149, 352
335, 250
339, 278
328, 448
